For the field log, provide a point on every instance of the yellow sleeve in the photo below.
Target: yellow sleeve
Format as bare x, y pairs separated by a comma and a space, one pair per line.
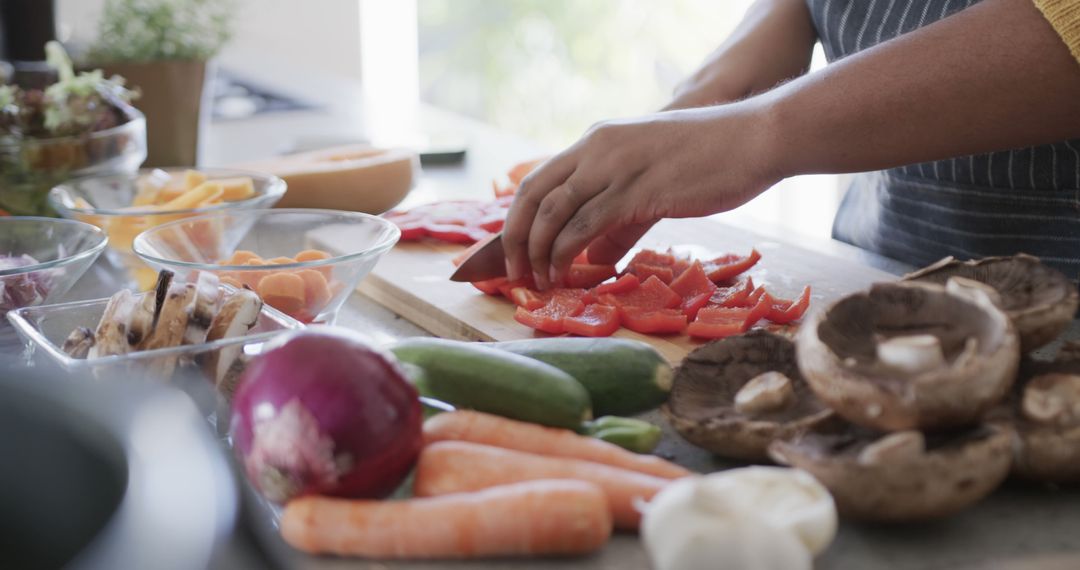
1064, 16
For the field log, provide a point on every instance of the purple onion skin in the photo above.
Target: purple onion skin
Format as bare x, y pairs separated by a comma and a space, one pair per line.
325, 414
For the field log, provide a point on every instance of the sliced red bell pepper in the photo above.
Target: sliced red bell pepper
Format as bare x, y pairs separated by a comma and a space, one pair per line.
491, 286
595, 320
412, 231
455, 233
680, 265
492, 222
759, 310
650, 257
506, 288
734, 296
753, 298
646, 270
582, 257
532, 299
652, 294
653, 321
783, 312
549, 318
730, 266
714, 328
584, 275
695, 288
503, 191
691, 305
623, 284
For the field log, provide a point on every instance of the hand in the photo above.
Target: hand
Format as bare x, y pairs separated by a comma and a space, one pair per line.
610, 187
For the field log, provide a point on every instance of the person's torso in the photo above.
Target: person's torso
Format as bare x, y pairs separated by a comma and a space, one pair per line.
999, 203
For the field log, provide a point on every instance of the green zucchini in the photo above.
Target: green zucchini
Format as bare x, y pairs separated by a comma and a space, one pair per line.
623, 377
635, 435
471, 375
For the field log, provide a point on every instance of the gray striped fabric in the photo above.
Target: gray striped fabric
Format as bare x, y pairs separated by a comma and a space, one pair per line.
1005, 202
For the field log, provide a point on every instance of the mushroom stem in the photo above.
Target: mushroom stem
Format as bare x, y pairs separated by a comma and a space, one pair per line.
1053, 399
894, 448
973, 290
912, 354
765, 392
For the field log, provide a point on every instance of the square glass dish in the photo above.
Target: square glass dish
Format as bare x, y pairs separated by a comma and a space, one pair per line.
43, 330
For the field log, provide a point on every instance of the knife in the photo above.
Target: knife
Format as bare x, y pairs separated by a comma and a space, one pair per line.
487, 262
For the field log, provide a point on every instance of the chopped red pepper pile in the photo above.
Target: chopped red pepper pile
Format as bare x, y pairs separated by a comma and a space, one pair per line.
659, 293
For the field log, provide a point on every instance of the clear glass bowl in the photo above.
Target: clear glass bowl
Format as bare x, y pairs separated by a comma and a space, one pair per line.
30, 168
59, 252
309, 291
110, 197
43, 331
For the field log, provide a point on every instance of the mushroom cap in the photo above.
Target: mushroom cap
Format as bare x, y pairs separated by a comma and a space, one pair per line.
956, 470
701, 406
838, 356
1039, 299
1048, 451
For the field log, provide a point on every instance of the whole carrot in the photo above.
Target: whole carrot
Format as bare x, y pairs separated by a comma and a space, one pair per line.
457, 466
498, 431
552, 517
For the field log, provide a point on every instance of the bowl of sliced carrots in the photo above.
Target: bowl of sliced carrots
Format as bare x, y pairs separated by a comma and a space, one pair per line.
126, 204
302, 262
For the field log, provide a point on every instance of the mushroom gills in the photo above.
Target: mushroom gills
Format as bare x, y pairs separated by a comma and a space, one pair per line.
766, 392
974, 290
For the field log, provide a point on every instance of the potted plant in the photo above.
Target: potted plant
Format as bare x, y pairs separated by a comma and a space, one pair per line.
163, 48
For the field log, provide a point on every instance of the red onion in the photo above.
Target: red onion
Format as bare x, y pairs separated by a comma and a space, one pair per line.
325, 414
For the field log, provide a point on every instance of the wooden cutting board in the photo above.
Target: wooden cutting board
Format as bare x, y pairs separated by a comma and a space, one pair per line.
413, 280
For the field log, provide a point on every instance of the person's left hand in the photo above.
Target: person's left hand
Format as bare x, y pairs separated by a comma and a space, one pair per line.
610, 187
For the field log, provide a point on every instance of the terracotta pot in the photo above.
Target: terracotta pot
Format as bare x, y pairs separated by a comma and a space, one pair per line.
176, 101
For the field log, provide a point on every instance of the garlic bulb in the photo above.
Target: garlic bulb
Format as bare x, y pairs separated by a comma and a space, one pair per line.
755, 517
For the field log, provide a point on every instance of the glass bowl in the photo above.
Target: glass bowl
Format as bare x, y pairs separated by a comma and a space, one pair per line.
257, 249
110, 197
41, 258
30, 168
43, 331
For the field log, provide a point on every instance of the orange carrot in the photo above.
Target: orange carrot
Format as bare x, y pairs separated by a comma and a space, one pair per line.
478, 427
242, 256
457, 466
524, 519
316, 290
316, 255
282, 291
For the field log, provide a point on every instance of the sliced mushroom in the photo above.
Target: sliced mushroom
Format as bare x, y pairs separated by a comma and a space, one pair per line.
736, 395
203, 308
171, 324
111, 335
1047, 420
909, 355
79, 343
902, 476
237, 316
1039, 299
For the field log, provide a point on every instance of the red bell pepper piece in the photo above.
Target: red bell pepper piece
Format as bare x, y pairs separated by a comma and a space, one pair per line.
734, 296
783, 312
695, 288
506, 288
652, 294
653, 321
623, 284
584, 275
646, 270
582, 258
491, 286
730, 266
595, 320
691, 305
651, 257
549, 318
455, 233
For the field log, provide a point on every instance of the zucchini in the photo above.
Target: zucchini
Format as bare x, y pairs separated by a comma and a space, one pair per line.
471, 375
635, 435
623, 376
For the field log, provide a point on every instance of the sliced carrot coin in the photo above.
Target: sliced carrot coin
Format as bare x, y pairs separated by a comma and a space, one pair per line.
283, 291
316, 290
242, 256
316, 255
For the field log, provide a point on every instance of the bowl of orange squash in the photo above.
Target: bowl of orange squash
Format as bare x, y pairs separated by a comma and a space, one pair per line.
127, 204
302, 262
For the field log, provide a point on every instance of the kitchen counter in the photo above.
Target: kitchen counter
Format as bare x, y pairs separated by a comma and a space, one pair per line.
1020, 526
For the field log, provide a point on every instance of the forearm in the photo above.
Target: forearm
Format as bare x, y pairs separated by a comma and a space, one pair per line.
993, 77
773, 43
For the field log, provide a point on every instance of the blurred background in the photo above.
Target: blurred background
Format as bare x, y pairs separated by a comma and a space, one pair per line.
542, 69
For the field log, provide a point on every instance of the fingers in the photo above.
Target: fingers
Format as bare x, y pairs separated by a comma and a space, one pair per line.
534, 188
609, 248
597, 217
555, 210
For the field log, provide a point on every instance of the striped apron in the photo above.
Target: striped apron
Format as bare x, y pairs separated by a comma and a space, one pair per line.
1020, 200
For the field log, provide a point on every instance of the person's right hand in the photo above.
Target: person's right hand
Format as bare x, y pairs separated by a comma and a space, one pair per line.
773, 43
610, 187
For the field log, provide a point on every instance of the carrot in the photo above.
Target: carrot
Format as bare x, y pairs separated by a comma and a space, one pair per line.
497, 431
242, 256
316, 255
316, 290
280, 260
523, 519
282, 291
457, 466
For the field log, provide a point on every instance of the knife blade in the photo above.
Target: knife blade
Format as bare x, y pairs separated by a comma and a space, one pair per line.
487, 262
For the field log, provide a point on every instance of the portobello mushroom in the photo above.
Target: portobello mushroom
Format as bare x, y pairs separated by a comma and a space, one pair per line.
736, 395
1039, 299
1046, 416
901, 476
910, 355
